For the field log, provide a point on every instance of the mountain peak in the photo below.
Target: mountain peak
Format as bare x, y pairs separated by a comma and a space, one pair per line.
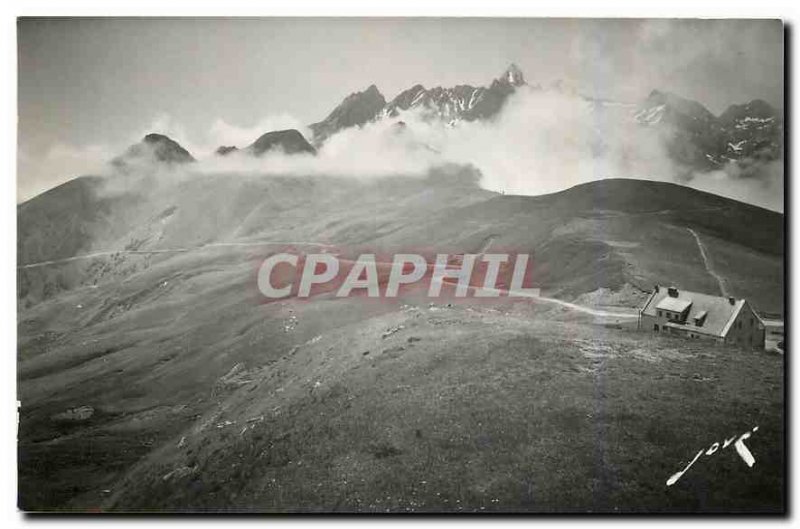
290, 141
513, 75
757, 108
155, 137
154, 147
659, 97
679, 104
371, 93
357, 109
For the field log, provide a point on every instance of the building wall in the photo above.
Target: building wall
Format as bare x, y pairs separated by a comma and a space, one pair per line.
648, 323
746, 331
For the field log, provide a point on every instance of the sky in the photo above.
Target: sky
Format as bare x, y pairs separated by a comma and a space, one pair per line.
95, 85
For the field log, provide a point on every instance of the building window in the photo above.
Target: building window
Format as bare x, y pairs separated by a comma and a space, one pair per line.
655, 327
660, 314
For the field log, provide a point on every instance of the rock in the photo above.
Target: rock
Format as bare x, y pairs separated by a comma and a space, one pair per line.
79, 414
179, 473
233, 372
391, 331
237, 376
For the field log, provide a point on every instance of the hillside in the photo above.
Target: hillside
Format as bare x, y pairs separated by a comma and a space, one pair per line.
154, 374
202, 398
604, 234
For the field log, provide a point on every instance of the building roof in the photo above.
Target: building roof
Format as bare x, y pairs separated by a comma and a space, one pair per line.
678, 304
720, 313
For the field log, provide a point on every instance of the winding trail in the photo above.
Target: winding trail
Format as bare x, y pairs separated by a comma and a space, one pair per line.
707, 263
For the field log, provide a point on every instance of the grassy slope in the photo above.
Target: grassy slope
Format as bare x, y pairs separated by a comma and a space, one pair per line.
479, 412
748, 274
516, 408
486, 406
603, 234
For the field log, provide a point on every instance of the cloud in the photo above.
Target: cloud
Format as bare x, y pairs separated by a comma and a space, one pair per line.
376, 150
756, 183
546, 141
60, 163
543, 141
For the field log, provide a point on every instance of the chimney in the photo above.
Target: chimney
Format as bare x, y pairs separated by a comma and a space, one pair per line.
672, 292
732, 300
655, 289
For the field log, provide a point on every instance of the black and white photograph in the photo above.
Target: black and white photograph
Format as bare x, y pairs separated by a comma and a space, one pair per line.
436, 265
